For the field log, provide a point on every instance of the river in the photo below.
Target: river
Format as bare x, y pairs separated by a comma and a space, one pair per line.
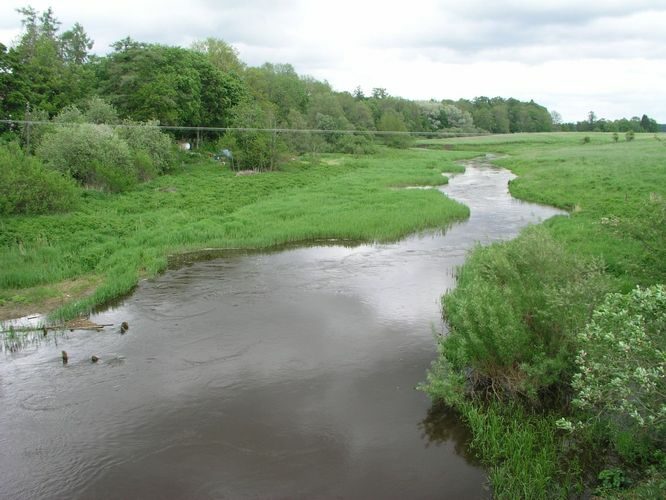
287, 374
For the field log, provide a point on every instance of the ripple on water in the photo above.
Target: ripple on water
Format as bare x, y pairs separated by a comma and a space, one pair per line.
289, 374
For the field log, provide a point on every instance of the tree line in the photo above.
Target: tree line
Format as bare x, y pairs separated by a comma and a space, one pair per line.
594, 124
207, 84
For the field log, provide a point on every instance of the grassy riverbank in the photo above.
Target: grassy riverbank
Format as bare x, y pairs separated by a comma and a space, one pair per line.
512, 361
77, 260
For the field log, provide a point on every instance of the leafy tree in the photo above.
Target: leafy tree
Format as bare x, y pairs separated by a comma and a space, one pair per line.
220, 54
648, 124
172, 85
254, 149
280, 85
379, 93
45, 69
358, 93
75, 44
97, 110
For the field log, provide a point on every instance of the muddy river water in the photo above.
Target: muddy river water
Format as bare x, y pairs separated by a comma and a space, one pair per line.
288, 374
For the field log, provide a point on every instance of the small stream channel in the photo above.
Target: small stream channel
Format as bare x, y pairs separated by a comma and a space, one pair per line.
283, 374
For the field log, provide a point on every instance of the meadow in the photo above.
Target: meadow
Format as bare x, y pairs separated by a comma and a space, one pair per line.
81, 259
548, 332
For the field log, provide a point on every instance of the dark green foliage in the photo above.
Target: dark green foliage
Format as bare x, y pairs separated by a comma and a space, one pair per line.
172, 85
45, 69
500, 116
254, 150
393, 121
27, 187
356, 144
513, 314
635, 124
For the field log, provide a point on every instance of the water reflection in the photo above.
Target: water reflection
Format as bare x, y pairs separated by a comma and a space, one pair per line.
287, 374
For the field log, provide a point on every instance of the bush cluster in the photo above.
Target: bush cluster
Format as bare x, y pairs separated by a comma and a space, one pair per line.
513, 318
28, 187
621, 370
104, 156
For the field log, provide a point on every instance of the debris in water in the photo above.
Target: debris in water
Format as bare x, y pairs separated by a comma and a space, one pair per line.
124, 327
94, 359
65, 358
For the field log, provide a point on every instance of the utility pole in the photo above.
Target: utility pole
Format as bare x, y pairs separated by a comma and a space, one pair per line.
27, 126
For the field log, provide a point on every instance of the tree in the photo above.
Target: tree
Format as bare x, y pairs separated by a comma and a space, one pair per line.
75, 44
379, 93
220, 54
648, 124
173, 85
254, 149
281, 85
556, 117
358, 93
47, 70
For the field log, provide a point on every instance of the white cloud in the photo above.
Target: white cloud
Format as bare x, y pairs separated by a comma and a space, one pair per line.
569, 55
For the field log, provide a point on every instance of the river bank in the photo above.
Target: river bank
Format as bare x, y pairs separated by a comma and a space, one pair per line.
514, 364
82, 259
291, 372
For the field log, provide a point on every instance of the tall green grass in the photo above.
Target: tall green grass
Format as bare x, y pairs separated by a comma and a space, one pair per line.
518, 306
123, 237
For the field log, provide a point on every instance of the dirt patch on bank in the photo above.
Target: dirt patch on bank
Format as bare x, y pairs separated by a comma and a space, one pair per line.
44, 299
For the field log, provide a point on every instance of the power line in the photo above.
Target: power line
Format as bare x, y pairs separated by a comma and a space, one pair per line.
257, 129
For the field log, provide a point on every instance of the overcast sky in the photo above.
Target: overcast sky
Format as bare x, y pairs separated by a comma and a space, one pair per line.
572, 56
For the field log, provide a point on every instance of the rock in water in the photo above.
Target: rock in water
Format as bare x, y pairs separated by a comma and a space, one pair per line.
124, 327
65, 358
94, 359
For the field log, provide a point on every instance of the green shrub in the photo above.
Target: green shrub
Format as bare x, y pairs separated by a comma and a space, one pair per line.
147, 138
356, 144
629, 135
28, 187
69, 114
97, 110
145, 167
92, 154
621, 364
513, 318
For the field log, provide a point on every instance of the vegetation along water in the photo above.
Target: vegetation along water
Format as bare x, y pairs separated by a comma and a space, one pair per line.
555, 354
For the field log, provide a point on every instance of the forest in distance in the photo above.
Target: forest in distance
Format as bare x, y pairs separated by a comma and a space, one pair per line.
555, 356
49, 68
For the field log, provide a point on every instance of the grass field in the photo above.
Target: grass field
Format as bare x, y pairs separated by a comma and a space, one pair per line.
615, 192
113, 240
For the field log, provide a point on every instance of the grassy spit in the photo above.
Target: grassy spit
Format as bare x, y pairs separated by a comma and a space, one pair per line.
113, 240
512, 382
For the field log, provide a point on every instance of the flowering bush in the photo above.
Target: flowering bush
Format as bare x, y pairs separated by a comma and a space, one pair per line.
622, 362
